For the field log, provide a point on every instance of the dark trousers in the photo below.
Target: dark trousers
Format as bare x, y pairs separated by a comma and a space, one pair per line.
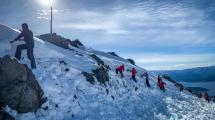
147, 82
207, 99
119, 71
163, 89
134, 78
30, 54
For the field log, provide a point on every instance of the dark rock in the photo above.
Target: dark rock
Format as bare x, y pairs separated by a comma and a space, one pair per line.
76, 43
2, 105
136, 88
99, 61
61, 41
5, 116
75, 97
43, 100
178, 85
131, 61
101, 74
46, 108
56, 105
79, 54
18, 87
107, 66
113, 53
89, 77
63, 62
112, 97
107, 91
67, 70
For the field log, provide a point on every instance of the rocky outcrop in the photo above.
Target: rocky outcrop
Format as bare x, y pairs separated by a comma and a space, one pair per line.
76, 43
98, 60
18, 87
89, 77
178, 85
61, 41
101, 74
5, 116
113, 53
131, 61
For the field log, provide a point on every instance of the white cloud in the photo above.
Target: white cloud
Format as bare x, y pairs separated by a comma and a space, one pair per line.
167, 24
179, 65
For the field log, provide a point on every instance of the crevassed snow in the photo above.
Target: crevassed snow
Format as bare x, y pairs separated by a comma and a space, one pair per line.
70, 96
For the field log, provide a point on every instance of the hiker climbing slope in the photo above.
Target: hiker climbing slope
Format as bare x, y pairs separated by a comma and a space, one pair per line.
120, 70
159, 80
147, 79
206, 96
133, 74
29, 45
162, 86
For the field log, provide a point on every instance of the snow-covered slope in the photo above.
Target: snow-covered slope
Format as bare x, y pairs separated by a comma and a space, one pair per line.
70, 96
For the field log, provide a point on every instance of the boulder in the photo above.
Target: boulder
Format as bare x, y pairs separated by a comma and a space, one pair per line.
76, 43
18, 87
61, 41
101, 74
5, 116
131, 61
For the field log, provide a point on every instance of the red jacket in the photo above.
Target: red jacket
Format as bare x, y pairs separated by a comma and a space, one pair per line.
162, 84
133, 72
206, 95
159, 80
121, 68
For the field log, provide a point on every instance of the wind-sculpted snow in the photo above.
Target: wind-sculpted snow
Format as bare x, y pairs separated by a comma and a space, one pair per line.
71, 96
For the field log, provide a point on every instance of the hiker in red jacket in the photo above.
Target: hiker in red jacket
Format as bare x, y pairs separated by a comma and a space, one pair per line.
133, 74
162, 86
206, 96
159, 80
120, 69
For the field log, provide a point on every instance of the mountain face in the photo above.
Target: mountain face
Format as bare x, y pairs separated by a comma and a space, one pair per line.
61, 41
200, 74
73, 82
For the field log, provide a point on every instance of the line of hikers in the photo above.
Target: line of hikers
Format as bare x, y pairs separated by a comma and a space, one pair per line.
205, 95
161, 84
120, 69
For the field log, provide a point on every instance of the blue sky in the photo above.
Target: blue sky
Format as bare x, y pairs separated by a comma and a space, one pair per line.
158, 34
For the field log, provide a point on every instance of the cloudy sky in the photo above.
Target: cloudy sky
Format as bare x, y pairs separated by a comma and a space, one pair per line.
158, 34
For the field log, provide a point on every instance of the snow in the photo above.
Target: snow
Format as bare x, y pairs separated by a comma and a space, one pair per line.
70, 96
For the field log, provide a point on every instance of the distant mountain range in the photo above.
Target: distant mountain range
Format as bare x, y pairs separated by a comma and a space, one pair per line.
199, 74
